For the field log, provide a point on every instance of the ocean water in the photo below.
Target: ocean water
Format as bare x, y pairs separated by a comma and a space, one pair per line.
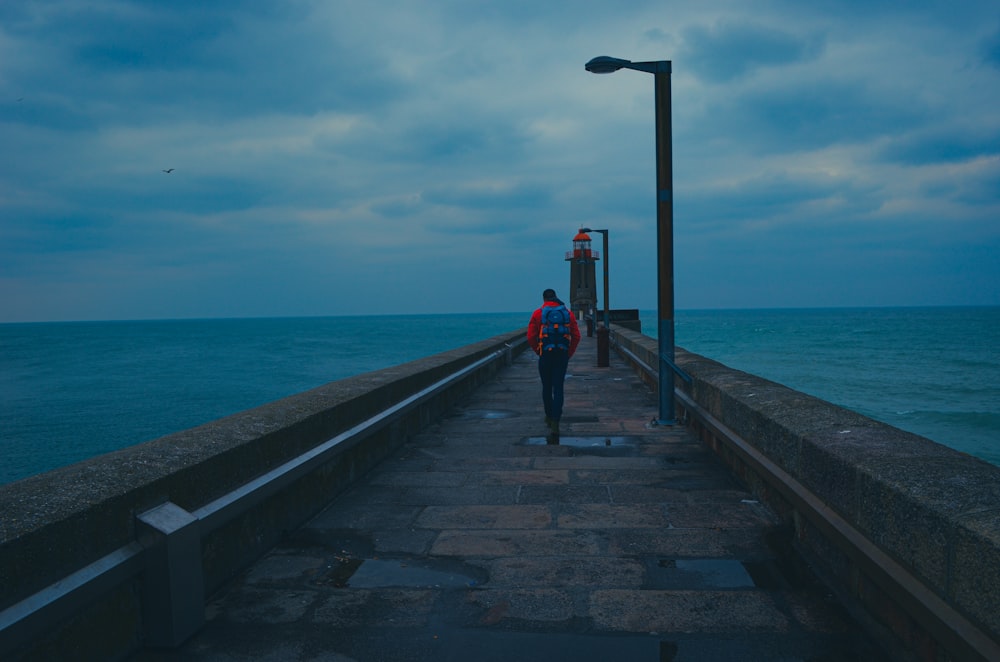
69, 391
931, 371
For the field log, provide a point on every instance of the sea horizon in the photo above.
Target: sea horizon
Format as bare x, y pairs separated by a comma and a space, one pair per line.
504, 312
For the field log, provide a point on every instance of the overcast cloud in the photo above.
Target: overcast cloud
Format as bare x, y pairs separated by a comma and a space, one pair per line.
358, 157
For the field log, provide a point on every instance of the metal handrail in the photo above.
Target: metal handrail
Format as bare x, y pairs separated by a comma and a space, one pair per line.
648, 369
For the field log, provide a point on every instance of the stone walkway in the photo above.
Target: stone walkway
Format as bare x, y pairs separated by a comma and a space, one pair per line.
480, 540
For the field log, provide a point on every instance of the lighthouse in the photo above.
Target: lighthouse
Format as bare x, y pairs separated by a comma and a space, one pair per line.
582, 275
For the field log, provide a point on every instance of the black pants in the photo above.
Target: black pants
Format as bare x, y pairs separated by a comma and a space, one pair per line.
552, 369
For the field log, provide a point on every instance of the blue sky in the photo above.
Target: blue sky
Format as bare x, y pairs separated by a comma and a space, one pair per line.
358, 157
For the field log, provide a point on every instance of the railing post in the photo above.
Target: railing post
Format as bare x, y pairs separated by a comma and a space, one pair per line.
173, 587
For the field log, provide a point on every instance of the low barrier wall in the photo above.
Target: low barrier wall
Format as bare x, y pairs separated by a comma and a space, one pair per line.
102, 557
906, 531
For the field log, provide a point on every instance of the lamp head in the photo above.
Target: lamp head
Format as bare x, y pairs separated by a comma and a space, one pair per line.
603, 64
608, 65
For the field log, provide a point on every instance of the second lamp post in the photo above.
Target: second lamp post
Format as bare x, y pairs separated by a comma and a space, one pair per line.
603, 333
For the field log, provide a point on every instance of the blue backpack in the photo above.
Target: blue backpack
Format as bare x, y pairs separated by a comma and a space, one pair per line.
555, 332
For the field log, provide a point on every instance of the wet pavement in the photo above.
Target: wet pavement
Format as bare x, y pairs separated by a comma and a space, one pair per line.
481, 539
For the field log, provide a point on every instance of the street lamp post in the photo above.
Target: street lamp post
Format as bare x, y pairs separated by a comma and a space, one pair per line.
664, 219
603, 335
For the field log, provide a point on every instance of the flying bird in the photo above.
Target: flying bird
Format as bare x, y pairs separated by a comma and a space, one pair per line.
168, 170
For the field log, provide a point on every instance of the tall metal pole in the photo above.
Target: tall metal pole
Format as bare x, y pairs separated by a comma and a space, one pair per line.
665, 242
607, 322
664, 220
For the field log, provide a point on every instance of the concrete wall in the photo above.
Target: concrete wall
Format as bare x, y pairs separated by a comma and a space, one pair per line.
83, 548
905, 530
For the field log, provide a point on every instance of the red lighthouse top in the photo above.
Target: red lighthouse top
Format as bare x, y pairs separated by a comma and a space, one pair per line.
581, 248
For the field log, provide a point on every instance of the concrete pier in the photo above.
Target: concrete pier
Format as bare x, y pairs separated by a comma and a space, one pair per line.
479, 539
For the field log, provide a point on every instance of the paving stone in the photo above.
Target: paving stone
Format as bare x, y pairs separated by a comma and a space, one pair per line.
589, 572
485, 517
389, 608
685, 611
604, 516
536, 605
527, 477
490, 544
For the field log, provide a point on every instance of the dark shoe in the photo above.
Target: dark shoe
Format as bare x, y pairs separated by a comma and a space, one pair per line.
554, 426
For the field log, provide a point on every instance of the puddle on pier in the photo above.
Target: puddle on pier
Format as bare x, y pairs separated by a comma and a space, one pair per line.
580, 419
784, 570
484, 414
397, 573
582, 442
701, 574
600, 445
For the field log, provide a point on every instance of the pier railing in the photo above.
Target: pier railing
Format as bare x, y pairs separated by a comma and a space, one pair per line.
106, 556
906, 531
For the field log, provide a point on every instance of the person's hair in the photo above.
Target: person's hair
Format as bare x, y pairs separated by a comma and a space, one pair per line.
549, 295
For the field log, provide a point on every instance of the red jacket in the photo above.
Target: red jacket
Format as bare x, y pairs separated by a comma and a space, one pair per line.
535, 329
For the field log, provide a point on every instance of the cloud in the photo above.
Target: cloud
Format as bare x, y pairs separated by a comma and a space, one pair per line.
731, 49
501, 195
991, 49
943, 145
778, 200
805, 116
